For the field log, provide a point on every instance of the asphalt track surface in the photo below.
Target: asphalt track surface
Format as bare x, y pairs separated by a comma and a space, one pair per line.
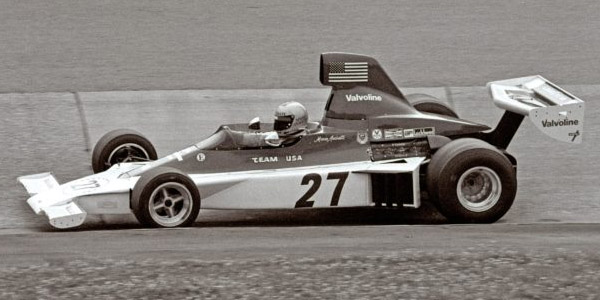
341, 262
160, 46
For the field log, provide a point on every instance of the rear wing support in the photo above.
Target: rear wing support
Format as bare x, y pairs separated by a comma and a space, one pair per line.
554, 111
505, 130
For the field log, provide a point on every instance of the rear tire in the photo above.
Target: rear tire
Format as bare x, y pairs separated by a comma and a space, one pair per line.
165, 197
429, 104
121, 145
470, 181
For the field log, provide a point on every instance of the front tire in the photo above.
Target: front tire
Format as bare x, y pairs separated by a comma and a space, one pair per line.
471, 181
165, 197
121, 145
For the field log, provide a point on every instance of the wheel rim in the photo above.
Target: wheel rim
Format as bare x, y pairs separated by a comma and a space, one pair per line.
170, 204
127, 153
479, 189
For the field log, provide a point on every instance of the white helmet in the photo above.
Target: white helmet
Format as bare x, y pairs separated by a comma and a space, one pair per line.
290, 117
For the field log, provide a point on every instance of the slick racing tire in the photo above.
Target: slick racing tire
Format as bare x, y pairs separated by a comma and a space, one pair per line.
121, 145
165, 197
470, 181
429, 104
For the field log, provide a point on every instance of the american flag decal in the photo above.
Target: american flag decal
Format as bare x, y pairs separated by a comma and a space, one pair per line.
348, 72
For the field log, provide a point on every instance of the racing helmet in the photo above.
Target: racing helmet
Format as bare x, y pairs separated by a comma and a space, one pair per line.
290, 117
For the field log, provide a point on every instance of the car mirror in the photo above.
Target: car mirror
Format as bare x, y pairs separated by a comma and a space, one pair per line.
254, 124
272, 139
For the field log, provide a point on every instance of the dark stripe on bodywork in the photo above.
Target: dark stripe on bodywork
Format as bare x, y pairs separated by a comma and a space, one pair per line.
312, 150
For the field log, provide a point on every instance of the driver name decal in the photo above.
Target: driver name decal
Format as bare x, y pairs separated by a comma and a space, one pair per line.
329, 139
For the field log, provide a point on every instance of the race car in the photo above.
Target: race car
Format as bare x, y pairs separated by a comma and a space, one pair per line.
373, 147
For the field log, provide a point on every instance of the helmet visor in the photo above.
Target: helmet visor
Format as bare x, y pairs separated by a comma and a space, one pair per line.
283, 122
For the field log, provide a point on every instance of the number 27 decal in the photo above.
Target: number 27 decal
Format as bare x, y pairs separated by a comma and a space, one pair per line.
315, 178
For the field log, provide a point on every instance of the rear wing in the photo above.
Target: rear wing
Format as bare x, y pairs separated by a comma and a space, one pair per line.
553, 110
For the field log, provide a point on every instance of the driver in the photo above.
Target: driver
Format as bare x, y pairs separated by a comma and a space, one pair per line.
291, 121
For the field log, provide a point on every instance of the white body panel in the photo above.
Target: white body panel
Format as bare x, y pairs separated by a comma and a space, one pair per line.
282, 188
108, 192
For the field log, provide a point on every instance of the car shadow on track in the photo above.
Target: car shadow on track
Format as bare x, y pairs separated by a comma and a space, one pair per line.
359, 216
323, 217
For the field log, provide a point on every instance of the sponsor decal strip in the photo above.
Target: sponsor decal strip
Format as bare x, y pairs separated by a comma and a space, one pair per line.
399, 133
394, 133
418, 132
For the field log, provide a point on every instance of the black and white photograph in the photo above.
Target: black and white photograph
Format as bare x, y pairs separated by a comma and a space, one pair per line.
276, 149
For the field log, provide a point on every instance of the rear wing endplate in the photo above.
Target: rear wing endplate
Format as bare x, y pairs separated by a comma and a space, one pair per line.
553, 110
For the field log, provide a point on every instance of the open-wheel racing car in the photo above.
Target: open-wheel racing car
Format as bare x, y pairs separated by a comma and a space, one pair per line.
374, 146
